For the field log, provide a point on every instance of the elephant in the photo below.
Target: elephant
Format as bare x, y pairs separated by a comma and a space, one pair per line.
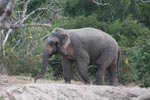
83, 46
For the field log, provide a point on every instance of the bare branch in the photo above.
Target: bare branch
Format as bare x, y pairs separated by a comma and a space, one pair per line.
30, 25
16, 26
4, 24
31, 13
99, 3
145, 1
6, 37
24, 10
26, 25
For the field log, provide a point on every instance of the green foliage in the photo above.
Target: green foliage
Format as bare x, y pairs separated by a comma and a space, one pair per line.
128, 31
144, 13
113, 11
74, 8
23, 53
83, 21
133, 38
1, 97
55, 67
143, 64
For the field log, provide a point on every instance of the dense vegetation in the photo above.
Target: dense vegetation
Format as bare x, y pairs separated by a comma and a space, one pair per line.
128, 21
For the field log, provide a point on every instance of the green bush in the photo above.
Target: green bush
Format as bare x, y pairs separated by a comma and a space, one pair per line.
84, 21
74, 8
143, 63
22, 54
133, 38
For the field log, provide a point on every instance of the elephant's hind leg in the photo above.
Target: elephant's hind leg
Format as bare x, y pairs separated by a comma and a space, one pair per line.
103, 62
112, 69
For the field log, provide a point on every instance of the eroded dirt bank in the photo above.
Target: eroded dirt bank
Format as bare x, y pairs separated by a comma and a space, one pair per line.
21, 88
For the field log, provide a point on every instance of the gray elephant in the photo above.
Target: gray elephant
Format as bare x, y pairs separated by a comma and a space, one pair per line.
84, 46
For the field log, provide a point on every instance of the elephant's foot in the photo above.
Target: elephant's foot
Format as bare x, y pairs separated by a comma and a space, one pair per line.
37, 77
114, 83
100, 82
87, 82
67, 82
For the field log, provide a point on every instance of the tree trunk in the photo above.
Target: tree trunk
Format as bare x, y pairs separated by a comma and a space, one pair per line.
1, 41
2, 66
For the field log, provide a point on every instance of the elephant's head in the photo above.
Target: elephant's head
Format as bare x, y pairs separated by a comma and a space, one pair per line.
57, 42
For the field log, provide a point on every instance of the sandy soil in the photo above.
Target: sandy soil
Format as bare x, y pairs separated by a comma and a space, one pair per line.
22, 88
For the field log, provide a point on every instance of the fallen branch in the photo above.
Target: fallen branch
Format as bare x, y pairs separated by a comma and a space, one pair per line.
25, 25
30, 25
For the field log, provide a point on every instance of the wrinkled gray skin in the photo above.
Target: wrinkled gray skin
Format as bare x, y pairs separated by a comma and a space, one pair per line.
85, 46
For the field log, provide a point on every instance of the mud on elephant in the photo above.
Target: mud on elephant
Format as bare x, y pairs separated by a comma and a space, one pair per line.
85, 46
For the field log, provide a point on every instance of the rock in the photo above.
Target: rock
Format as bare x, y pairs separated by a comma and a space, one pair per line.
61, 91
45, 91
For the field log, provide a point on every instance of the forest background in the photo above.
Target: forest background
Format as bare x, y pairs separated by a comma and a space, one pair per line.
128, 21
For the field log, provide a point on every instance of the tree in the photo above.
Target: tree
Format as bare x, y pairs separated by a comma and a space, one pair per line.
16, 14
6, 11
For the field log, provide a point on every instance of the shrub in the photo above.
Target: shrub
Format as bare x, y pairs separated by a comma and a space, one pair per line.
133, 38
83, 21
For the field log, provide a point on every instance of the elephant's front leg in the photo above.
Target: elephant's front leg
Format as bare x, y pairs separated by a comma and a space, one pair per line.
83, 71
67, 67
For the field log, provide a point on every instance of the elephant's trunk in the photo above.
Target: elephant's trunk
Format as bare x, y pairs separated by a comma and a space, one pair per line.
47, 52
44, 62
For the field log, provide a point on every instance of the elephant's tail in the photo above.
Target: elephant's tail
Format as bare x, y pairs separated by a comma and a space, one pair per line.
118, 60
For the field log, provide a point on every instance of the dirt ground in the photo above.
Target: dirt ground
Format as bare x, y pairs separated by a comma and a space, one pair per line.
22, 88
4, 79
20, 79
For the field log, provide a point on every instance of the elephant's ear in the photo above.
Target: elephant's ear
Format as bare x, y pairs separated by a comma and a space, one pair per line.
63, 38
52, 40
64, 41
61, 34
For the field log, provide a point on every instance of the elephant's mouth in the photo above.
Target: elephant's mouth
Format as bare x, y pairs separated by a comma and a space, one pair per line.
55, 49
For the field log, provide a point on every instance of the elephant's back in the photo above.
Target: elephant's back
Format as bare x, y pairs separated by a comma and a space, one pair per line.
92, 36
